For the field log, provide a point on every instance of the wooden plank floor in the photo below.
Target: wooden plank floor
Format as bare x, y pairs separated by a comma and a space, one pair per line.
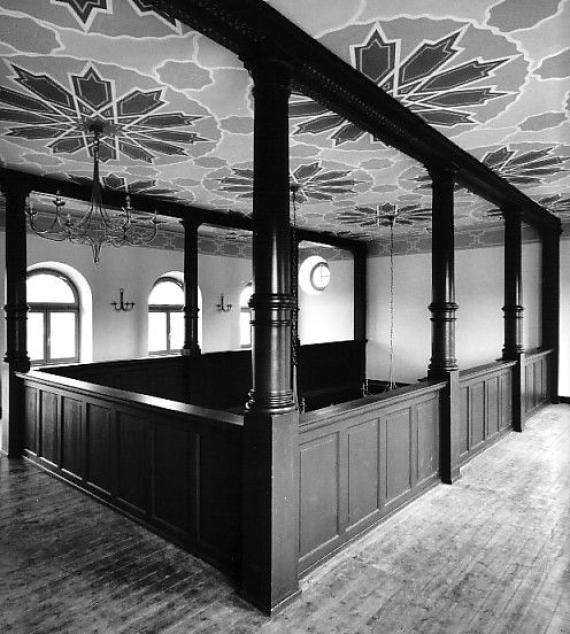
490, 554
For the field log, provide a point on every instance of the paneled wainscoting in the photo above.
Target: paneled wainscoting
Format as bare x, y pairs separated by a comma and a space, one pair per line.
486, 406
156, 460
536, 379
359, 463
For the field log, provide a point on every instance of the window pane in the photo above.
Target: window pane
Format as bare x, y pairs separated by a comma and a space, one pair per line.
167, 292
36, 330
44, 287
62, 336
245, 295
156, 332
244, 328
176, 331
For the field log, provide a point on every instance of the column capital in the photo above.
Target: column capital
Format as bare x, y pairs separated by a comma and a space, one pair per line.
191, 223
266, 66
14, 187
442, 171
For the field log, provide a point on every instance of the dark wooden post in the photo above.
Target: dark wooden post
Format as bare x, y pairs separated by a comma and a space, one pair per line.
16, 315
551, 305
271, 460
443, 364
191, 311
513, 309
359, 255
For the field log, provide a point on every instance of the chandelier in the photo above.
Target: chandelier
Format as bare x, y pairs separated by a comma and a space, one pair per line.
99, 226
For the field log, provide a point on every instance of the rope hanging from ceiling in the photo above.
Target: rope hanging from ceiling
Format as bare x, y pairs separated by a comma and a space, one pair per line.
390, 217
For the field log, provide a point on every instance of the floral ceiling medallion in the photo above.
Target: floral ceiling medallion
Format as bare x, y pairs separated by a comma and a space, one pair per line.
309, 183
384, 215
130, 124
428, 81
532, 167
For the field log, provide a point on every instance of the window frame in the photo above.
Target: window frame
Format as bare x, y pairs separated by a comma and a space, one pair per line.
47, 309
323, 264
167, 309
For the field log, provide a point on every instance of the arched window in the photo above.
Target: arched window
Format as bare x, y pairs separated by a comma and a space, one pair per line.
166, 316
54, 318
245, 316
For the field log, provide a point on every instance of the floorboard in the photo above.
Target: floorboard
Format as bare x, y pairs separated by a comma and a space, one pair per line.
489, 555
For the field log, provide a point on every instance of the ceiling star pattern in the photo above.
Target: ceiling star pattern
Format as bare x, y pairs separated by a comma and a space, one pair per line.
177, 112
428, 82
131, 124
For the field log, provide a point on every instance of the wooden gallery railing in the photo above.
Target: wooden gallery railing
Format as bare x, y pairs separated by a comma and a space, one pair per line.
178, 467
361, 461
172, 466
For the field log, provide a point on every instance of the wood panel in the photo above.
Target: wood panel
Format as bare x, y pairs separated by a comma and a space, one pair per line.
477, 413
319, 492
101, 464
537, 371
363, 482
492, 402
49, 426
31, 419
505, 399
166, 464
133, 461
398, 449
359, 462
427, 440
486, 406
172, 466
73, 437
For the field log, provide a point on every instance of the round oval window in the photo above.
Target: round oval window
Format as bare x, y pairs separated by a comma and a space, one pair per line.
320, 276
314, 275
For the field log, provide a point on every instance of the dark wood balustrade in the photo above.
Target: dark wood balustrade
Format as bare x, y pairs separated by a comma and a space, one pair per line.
174, 467
360, 461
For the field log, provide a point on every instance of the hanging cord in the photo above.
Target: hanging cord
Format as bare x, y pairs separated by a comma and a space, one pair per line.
391, 382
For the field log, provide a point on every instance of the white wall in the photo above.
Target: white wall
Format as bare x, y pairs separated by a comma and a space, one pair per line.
412, 328
479, 284
329, 316
479, 292
532, 294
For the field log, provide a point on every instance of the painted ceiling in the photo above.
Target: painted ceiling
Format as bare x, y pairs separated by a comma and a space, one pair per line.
178, 111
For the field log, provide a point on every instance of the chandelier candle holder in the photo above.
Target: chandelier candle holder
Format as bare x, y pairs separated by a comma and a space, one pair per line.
98, 227
122, 305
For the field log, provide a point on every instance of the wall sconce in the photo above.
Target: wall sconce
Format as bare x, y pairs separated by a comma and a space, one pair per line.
223, 308
122, 304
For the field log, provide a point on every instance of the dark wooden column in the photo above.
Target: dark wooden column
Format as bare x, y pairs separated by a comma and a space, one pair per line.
360, 300
551, 305
16, 315
443, 364
271, 477
191, 311
513, 309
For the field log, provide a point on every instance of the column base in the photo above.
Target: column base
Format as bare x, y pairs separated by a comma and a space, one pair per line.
270, 520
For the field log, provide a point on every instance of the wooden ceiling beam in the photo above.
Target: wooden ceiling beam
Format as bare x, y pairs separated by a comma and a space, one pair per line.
249, 26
